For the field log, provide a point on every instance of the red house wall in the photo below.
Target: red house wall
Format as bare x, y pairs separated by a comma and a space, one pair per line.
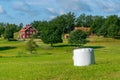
26, 32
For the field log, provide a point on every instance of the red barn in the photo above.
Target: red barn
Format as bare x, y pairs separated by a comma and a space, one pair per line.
26, 32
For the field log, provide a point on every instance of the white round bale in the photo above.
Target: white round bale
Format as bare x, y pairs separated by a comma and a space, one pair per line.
83, 56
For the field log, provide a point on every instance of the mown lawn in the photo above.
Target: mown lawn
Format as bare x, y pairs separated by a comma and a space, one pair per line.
56, 63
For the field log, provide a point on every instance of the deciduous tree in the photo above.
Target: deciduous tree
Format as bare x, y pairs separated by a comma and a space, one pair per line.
77, 37
51, 34
2, 28
9, 31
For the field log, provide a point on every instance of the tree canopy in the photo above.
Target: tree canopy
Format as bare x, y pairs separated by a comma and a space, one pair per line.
2, 28
51, 34
108, 26
9, 31
31, 46
77, 37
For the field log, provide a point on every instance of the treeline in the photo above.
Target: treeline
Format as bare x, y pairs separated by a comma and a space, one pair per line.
7, 30
51, 31
108, 26
102, 26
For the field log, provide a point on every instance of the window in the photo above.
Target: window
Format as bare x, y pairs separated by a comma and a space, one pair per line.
31, 32
27, 36
23, 36
27, 32
34, 32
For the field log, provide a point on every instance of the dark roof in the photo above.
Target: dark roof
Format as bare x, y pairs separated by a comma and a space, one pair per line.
25, 28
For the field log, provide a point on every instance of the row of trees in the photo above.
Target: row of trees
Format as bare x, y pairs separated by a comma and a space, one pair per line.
8, 30
106, 26
51, 31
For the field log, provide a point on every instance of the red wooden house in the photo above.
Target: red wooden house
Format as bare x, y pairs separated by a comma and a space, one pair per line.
26, 32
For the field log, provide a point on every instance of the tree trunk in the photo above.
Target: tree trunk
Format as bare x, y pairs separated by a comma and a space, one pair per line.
30, 51
51, 44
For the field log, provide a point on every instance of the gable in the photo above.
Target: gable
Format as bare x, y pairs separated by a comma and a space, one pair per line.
27, 28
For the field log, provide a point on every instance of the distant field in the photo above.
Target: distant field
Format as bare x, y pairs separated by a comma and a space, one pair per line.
56, 63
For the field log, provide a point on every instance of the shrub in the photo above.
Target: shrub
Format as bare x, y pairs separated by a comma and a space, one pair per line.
31, 46
77, 37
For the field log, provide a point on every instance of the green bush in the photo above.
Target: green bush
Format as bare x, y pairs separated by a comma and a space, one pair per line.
31, 46
77, 37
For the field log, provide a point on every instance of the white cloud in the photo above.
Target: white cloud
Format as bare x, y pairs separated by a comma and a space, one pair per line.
24, 7
75, 5
1, 10
106, 6
44, 9
36, 2
62, 12
21, 6
51, 17
51, 10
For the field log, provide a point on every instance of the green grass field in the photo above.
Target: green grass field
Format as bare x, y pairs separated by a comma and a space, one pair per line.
56, 63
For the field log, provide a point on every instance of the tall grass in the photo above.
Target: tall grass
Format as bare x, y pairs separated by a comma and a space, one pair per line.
56, 63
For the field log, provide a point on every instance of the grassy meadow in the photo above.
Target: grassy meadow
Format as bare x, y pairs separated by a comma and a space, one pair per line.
56, 63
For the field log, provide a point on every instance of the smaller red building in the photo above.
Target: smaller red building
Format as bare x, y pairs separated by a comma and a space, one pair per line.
85, 29
26, 32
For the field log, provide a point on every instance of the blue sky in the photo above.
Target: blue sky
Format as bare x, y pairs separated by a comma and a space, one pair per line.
26, 11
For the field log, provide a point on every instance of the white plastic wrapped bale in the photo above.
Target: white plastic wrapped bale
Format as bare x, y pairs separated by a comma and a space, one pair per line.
83, 56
